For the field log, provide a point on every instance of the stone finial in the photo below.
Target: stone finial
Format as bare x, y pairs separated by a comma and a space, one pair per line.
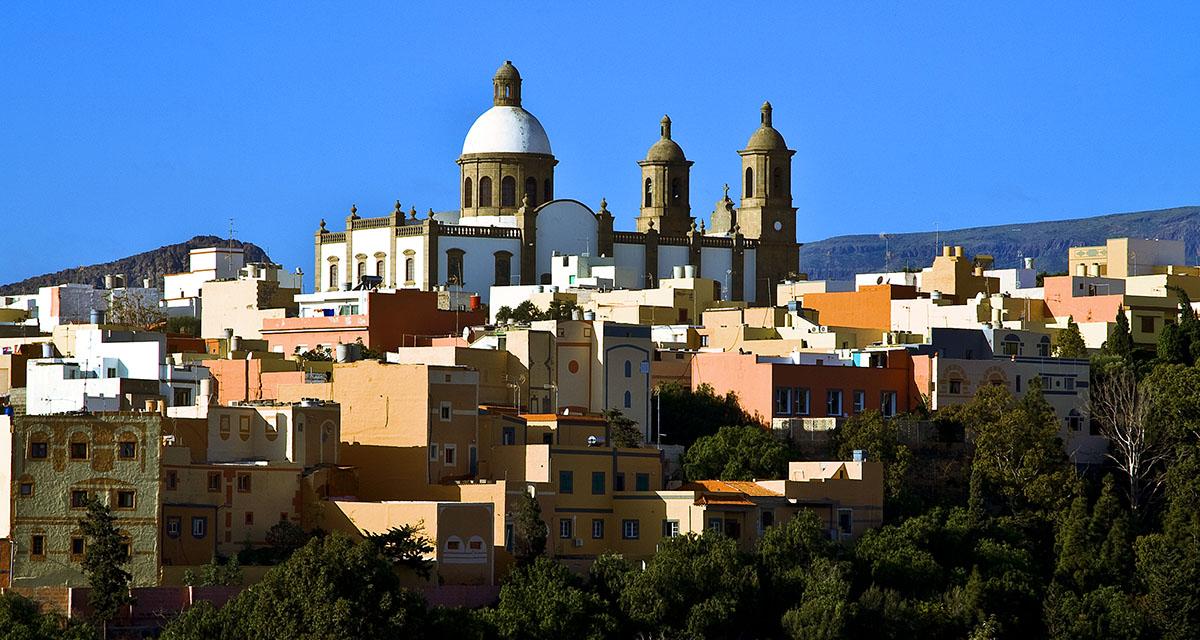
430, 213
322, 228
766, 114
603, 205
701, 226
412, 213
398, 209
665, 127
726, 189
650, 225
737, 228
693, 225
353, 212
525, 201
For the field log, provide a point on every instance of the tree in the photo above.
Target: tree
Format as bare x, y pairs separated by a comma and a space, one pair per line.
1120, 338
880, 440
1070, 342
544, 600
406, 546
103, 562
20, 619
824, 608
623, 432
688, 415
529, 530
1123, 408
736, 453
134, 310
216, 573
1173, 347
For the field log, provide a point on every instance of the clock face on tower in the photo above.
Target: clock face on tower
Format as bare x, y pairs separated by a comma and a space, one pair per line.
778, 226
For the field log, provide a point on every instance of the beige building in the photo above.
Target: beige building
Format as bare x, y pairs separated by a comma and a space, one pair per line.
260, 292
1125, 257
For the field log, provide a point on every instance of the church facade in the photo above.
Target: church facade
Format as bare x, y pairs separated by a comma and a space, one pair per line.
509, 226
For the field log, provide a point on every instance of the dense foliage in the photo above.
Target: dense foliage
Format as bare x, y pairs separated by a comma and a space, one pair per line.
688, 415
20, 619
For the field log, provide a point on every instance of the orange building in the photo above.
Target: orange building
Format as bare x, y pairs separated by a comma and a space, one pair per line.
868, 308
381, 320
245, 380
774, 388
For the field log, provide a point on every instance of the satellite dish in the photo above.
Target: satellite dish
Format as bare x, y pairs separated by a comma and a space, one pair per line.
592, 441
879, 280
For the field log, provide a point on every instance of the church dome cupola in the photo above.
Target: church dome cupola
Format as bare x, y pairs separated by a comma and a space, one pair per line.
506, 86
666, 149
766, 138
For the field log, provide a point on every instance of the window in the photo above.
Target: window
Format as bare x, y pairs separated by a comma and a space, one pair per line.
249, 518
598, 528
362, 271
508, 435
748, 192
173, 526
783, 401
445, 410
628, 369
641, 482
467, 192
475, 543
845, 521
887, 403
125, 499
1044, 347
1074, 421
224, 428
628, 400
39, 450
244, 427
618, 482
127, 450
503, 269
955, 386
243, 483
1147, 324
1012, 345
670, 528
333, 276
777, 181
716, 525
214, 481
454, 266
126, 549
508, 191
25, 489
379, 268
37, 545
531, 191
598, 483
833, 402
410, 269
630, 529
547, 191
565, 528
79, 450
649, 193
485, 192
78, 547
802, 399
860, 401
451, 455
766, 519
566, 482
199, 526
79, 499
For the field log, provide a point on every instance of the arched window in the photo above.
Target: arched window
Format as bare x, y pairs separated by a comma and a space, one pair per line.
508, 191
362, 270
485, 192
503, 268
333, 276
628, 399
675, 192
410, 267
749, 190
379, 268
467, 192
531, 191
547, 191
649, 192
628, 369
454, 266
777, 181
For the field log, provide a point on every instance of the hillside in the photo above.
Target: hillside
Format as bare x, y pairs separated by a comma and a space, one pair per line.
841, 257
152, 264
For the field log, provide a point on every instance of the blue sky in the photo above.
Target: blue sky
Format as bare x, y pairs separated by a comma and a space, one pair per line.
123, 128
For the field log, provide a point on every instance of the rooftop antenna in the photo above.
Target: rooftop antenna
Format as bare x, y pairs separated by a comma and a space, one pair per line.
229, 253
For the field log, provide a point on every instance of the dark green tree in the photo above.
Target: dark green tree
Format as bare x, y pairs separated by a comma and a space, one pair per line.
736, 453
529, 530
1173, 347
688, 415
544, 600
103, 563
216, 573
1120, 338
1070, 342
825, 606
623, 432
407, 547
1168, 562
879, 438
20, 619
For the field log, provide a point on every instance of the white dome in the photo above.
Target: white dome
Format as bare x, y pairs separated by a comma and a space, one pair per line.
507, 130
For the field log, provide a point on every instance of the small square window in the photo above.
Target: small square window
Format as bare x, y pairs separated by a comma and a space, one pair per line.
451, 455
249, 518
565, 528
199, 527
78, 546
214, 481
598, 483
618, 482
172, 480
79, 499
173, 526
243, 483
37, 546
125, 499
598, 528
642, 482
39, 450
566, 482
127, 450
79, 450
630, 529
433, 452
25, 489
670, 528
444, 412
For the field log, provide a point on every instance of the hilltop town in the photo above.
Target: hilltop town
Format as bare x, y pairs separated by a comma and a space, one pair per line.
514, 378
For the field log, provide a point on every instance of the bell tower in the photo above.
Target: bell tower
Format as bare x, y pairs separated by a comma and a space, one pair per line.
665, 186
766, 211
